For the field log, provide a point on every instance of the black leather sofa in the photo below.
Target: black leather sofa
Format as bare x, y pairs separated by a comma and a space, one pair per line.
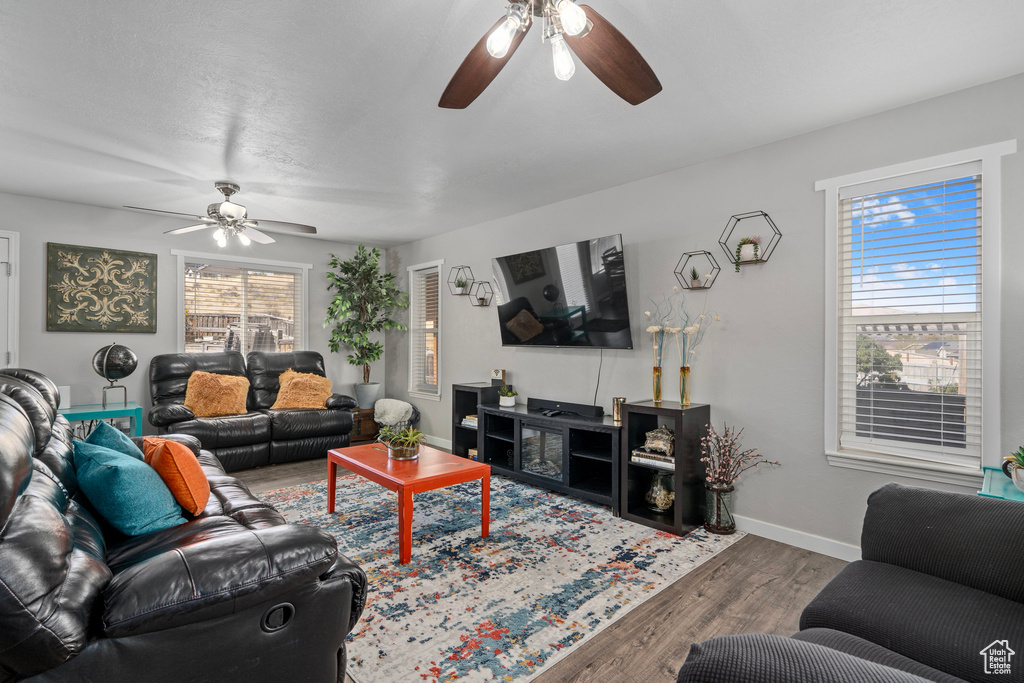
941, 580
234, 594
261, 436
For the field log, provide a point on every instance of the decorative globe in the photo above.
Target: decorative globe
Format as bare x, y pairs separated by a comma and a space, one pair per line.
114, 362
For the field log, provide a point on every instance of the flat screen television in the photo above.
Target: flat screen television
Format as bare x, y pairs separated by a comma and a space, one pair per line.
572, 295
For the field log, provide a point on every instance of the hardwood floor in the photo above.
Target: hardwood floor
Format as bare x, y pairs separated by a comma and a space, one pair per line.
757, 585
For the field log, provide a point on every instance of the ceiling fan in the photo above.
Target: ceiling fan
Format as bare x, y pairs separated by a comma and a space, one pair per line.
229, 218
570, 28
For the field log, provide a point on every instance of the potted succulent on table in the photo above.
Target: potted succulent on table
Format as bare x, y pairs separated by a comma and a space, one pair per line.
1013, 466
724, 463
403, 445
747, 251
507, 396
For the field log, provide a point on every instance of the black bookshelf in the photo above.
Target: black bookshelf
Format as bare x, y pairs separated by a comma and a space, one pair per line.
465, 399
570, 454
689, 425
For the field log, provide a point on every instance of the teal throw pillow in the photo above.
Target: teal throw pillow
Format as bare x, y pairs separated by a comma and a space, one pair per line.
114, 439
128, 493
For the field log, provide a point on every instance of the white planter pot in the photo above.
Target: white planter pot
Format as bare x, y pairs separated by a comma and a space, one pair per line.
366, 394
1017, 474
460, 290
746, 253
507, 401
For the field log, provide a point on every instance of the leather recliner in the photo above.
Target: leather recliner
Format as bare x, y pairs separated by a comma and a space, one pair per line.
260, 436
234, 594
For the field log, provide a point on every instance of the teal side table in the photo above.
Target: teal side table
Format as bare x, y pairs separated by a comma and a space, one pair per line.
96, 411
998, 485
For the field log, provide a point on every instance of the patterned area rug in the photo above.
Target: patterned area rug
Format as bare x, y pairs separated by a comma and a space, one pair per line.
554, 572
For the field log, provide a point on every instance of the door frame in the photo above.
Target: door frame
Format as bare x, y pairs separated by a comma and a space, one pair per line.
13, 313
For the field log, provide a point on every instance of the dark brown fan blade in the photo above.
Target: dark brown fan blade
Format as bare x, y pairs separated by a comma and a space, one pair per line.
279, 226
478, 69
173, 213
614, 60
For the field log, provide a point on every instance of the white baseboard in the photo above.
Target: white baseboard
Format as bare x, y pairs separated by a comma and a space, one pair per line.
800, 539
438, 442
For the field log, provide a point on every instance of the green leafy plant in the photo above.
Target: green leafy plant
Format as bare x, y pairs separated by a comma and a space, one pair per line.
694, 275
409, 437
460, 282
365, 302
1017, 457
507, 391
756, 241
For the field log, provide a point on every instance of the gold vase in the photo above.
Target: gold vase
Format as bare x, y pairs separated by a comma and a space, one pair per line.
657, 383
684, 385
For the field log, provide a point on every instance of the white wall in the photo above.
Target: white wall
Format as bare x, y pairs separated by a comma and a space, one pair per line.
762, 366
66, 356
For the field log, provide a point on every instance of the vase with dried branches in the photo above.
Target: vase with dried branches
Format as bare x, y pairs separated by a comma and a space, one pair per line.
724, 462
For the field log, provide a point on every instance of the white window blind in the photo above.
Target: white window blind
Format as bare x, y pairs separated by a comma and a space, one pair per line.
910, 316
424, 329
239, 307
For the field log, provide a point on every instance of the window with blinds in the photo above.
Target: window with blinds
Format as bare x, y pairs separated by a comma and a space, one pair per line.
239, 307
425, 329
910, 316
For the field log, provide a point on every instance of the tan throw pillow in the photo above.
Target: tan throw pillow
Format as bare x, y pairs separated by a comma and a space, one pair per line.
211, 395
302, 390
524, 326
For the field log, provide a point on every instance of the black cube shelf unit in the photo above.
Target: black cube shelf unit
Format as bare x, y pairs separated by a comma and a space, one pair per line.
570, 454
465, 399
688, 425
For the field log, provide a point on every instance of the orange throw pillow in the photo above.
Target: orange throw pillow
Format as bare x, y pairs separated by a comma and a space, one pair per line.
178, 466
211, 395
302, 390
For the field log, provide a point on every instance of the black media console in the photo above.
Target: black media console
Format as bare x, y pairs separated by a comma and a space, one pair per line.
564, 452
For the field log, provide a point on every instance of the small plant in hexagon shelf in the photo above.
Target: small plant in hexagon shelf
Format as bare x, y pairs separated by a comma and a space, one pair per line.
460, 285
748, 251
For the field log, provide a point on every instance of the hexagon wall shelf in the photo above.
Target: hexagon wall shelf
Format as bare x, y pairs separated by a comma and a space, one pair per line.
460, 273
707, 270
481, 293
753, 223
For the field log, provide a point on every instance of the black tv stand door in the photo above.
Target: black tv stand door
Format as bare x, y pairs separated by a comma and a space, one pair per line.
575, 455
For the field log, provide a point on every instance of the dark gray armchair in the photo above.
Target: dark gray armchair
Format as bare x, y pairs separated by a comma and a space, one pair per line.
941, 580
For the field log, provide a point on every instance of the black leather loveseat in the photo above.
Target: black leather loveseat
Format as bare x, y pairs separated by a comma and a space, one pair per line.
261, 436
233, 594
938, 596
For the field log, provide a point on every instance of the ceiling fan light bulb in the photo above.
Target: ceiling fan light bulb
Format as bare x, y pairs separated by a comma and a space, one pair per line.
244, 239
232, 211
500, 39
218, 234
565, 67
573, 18
222, 243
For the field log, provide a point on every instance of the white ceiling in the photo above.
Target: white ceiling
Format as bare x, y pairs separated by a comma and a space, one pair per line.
326, 112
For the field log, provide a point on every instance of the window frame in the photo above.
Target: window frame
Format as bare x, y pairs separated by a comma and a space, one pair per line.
989, 158
233, 261
410, 271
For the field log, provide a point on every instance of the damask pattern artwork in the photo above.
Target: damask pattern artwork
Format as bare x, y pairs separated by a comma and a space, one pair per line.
89, 289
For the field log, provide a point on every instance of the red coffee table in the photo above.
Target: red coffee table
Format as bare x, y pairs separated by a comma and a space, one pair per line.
434, 469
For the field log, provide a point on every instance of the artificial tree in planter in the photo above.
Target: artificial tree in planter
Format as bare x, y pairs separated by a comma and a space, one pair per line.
365, 301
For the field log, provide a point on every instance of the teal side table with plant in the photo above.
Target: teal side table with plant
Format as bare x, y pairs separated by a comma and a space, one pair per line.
365, 302
1008, 482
